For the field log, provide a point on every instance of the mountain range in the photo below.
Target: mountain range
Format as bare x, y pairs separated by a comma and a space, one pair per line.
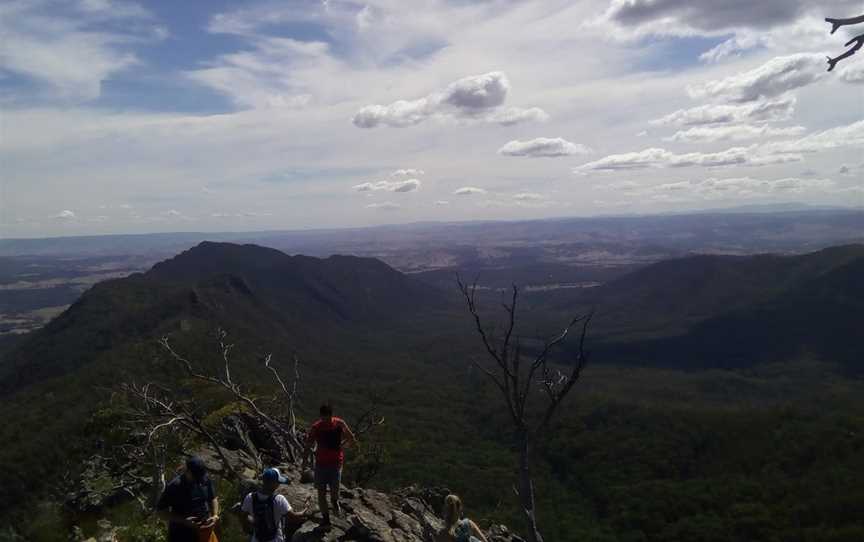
350, 318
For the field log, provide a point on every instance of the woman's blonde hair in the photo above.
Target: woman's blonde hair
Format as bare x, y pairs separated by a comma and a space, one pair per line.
452, 512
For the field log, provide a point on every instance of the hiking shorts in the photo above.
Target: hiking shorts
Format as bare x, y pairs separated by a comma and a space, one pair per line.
327, 476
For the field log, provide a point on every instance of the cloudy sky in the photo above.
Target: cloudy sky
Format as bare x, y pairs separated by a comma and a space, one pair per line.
215, 116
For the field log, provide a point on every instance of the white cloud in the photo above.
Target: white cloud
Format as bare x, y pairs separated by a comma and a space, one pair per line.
113, 9
267, 75
704, 15
850, 135
407, 173
775, 23
407, 185
662, 158
384, 206
468, 191
63, 53
476, 97
65, 214
730, 188
732, 47
516, 115
853, 72
773, 78
779, 109
398, 114
700, 134
476, 92
543, 147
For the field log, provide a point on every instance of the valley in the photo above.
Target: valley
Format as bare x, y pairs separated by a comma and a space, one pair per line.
721, 389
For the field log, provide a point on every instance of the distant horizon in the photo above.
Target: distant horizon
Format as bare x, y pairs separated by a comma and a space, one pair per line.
782, 207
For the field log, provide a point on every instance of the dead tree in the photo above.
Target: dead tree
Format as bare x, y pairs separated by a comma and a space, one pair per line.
857, 42
153, 408
225, 380
289, 391
372, 456
518, 378
369, 418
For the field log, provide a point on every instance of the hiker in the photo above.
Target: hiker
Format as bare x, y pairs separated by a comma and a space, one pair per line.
265, 511
189, 504
456, 528
330, 433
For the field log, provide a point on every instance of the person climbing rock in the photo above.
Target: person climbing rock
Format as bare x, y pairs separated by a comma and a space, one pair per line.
189, 504
456, 528
329, 434
265, 513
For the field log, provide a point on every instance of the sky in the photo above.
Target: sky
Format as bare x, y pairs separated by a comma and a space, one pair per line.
124, 117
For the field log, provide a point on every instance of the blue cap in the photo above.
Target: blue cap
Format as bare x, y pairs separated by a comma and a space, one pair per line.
196, 467
273, 475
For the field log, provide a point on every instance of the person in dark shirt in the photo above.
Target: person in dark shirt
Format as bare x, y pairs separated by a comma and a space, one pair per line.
189, 503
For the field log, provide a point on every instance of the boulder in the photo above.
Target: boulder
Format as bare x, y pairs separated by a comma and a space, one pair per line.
367, 515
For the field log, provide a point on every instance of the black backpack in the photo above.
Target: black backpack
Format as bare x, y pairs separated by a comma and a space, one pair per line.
265, 524
332, 438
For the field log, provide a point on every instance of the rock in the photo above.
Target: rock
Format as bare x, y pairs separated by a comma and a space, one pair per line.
368, 515
106, 533
500, 533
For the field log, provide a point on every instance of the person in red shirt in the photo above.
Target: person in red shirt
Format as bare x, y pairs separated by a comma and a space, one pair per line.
330, 434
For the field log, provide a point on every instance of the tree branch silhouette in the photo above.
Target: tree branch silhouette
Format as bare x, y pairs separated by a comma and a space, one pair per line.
856, 43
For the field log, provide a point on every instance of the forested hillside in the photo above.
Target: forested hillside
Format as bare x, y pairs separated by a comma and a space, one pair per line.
767, 451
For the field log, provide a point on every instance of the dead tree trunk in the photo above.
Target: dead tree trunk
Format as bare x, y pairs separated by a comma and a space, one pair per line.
518, 379
525, 493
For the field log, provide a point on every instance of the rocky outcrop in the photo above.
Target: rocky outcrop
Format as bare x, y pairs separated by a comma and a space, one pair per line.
407, 515
367, 515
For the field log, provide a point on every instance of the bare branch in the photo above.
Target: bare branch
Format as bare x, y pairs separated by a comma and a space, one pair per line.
558, 391
369, 419
158, 408
857, 40
290, 394
856, 43
511, 312
837, 23
542, 357
293, 442
470, 298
